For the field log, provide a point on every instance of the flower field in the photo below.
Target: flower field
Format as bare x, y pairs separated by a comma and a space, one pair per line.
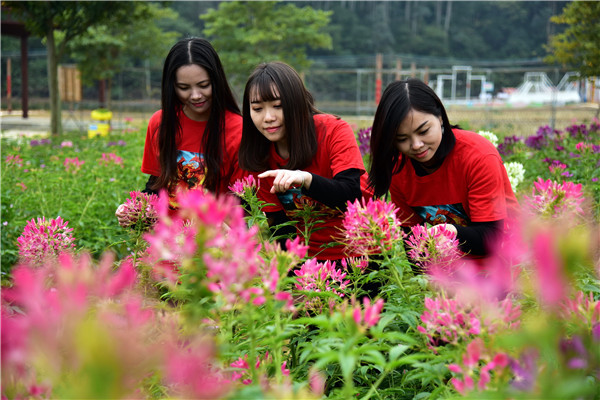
203, 303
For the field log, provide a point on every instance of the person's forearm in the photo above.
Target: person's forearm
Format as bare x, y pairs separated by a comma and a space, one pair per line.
336, 192
478, 238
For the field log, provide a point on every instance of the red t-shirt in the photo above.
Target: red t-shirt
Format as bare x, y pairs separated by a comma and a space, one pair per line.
337, 151
471, 185
190, 158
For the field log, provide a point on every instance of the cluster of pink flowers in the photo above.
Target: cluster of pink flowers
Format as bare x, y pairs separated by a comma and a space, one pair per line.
242, 368
192, 373
22, 186
371, 227
582, 309
367, 316
315, 276
73, 164
583, 147
111, 158
44, 239
452, 320
437, 246
13, 160
557, 168
552, 199
471, 373
66, 143
72, 304
552, 283
139, 210
355, 262
214, 230
241, 185
448, 321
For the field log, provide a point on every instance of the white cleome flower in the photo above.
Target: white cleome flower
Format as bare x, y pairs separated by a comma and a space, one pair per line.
516, 174
489, 136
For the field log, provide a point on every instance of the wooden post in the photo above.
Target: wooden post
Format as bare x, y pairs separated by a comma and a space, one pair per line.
413, 69
398, 69
426, 75
24, 78
9, 85
378, 67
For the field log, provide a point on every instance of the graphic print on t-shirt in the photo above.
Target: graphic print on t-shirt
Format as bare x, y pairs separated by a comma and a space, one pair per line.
443, 214
293, 202
190, 171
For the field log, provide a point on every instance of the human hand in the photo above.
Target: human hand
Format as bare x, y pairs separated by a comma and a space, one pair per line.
286, 178
443, 232
123, 219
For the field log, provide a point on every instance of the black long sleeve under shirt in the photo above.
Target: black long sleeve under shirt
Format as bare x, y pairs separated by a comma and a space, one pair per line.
334, 193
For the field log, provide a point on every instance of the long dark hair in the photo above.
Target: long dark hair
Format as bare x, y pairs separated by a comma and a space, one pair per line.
297, 104
200, 52
398, 99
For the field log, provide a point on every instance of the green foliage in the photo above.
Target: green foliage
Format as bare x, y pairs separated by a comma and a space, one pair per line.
103, 50
86, 198
70, 18
386, 358
577, 47
248, 33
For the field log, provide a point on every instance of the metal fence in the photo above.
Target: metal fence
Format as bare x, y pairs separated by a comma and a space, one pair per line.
470, 96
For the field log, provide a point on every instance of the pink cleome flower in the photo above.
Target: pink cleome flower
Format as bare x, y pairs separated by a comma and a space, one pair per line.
472, 371
110, 158
321, 277
43, 238
240, 186
73, 164
214, 230
13, 160
437, 246
139, 210
552, 199
371, 314
371, 227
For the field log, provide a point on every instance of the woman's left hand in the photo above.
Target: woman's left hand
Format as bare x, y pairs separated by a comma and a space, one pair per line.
287, 178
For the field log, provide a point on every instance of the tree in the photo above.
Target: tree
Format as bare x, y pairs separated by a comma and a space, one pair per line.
248, 33
104, 50
59, 22
577, 47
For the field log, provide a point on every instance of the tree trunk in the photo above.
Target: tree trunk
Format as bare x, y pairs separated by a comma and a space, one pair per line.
108, 92
102, 93
448, 18
55, 106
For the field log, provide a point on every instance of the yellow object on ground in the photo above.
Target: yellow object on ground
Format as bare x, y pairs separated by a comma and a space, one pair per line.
102, 126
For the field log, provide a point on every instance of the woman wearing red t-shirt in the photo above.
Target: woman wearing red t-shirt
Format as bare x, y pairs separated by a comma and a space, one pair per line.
435, 172
193, 140
305, 159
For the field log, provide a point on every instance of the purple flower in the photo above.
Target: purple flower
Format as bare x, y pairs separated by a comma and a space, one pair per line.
364, 139
525, 370
536, 142
575, 352
506, 147
596, 332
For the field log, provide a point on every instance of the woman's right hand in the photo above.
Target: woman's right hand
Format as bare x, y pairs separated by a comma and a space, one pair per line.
286, 178
122, 218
